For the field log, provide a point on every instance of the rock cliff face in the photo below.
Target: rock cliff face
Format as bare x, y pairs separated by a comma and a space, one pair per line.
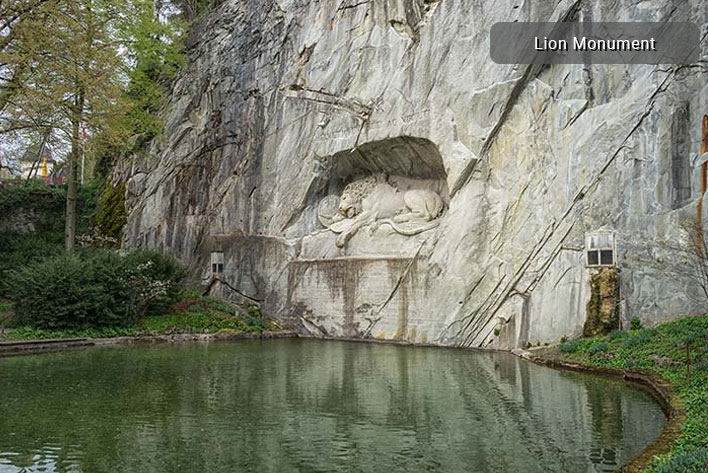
286, 102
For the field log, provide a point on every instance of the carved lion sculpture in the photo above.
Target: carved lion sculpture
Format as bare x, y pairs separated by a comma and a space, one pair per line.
374, 201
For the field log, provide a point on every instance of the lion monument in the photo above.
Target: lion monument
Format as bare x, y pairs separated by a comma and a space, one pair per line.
374, 201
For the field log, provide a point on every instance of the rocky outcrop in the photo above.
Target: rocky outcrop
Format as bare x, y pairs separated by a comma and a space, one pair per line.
284, 103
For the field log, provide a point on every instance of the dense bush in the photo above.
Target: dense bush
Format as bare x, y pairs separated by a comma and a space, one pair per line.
92, 288
153, 278
17, 250
48, 205
70, 291
688, 462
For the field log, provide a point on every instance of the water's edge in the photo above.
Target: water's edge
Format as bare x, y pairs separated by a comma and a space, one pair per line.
660, 389
59, 344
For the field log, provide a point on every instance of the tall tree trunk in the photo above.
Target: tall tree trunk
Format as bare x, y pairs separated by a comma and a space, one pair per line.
71, 184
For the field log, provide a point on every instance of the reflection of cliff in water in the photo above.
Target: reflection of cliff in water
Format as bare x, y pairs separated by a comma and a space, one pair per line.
299, 405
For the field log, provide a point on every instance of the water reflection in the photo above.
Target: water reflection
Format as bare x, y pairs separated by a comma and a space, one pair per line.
306, 406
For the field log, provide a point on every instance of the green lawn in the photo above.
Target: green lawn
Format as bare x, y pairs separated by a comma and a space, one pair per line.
662, 350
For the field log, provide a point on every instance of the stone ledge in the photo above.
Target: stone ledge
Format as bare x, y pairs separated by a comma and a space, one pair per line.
364, 259
46, 341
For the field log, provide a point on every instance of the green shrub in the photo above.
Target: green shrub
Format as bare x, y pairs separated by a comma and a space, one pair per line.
91, 288
223, 307
210, 300
570, 346
635, 323
688, 462
640, 338
18, 249
254, 324
254, 311
48, 205
700, 365
617, 335
598, 348
145, 269
70, 291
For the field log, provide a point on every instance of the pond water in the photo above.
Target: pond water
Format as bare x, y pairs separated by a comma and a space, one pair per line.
296, 405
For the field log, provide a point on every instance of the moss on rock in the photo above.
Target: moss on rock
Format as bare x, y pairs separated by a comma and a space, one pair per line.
111, 216
603, 307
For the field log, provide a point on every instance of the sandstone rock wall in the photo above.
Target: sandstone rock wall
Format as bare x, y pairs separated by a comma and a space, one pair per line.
285, 102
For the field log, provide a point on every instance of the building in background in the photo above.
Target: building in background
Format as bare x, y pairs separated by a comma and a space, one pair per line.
36, 164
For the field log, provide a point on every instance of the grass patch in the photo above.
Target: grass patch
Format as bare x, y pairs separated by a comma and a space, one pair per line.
31, 333
205, 314
598, 348
690, 462
191, 314
662, 350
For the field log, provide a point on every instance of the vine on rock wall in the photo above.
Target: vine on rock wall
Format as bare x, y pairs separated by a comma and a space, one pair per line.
43, 206
111, 216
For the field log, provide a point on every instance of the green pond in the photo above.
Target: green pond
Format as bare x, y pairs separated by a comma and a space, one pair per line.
295, 405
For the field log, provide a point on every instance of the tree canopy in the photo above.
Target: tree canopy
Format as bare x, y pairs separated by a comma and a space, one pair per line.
114, 58
92, 73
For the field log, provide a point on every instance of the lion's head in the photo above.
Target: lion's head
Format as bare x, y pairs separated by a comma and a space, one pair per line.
349, 203
353, 193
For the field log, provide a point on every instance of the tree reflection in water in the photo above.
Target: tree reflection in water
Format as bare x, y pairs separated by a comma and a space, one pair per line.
309, 406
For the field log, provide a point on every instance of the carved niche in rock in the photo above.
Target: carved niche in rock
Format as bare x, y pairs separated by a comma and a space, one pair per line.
375, 200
